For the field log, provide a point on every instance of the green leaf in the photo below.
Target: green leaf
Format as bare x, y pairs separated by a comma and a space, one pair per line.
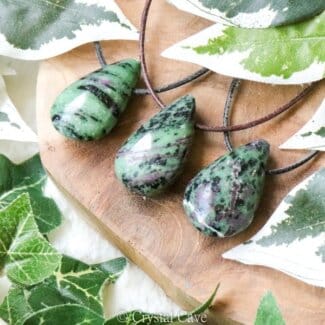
253, 13
30, 24
268, 312
38, 29
281, 51
64, 314
29, 177
305, 215
15, 307
285, 55
16, 311
24, 253
76, 283
112, 268
142, 318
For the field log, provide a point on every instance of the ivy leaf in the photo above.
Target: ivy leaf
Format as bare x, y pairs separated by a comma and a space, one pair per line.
293, 240
76, 283
253, 13
16, 311
15, 307
268, 312
311, 135
38, 29
64, 314
29, 177
283, 55
142, 318
112, 268
12, 126
24, 253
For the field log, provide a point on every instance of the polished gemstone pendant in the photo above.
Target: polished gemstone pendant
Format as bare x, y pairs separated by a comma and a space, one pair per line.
221, 200
89, 108
152, 158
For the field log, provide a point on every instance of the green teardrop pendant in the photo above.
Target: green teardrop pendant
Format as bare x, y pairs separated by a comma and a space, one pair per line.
89, 108
152, 158
221, 200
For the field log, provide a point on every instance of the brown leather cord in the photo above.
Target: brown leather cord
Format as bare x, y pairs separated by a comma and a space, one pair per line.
99, 53
144, 91
231, 96
192, 77
143, 28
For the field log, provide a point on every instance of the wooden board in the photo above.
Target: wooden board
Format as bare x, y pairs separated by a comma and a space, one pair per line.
155, 233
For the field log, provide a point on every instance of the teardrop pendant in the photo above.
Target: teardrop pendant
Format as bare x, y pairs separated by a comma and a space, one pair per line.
221, 200
89, 108
152, 158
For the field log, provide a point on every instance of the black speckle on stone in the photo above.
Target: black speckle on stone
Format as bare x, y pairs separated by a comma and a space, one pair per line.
56, 118
80, 116
75, 134
240, 202
94, 118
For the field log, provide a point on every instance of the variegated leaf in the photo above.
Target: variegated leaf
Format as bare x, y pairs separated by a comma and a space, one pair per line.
293, 240
252, 13
282, 55
77, 283
29, 177
37, 29
73, 283
71, 314
25, 254
311, 135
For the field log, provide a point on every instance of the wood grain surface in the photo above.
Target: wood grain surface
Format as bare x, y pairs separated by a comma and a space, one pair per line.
154, 233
